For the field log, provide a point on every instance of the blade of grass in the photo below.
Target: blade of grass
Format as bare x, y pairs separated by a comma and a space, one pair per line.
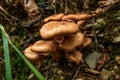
35, 71
7, 58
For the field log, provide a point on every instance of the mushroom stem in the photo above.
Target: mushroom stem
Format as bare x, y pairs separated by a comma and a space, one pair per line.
59, 39
74, 56
71, 42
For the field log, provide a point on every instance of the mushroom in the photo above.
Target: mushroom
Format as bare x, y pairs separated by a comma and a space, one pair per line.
62, 36
55, 17
76, 17
80, 23
58, 28
72, 41
74, 56
33, 55
87, 41
42, 46
97, 12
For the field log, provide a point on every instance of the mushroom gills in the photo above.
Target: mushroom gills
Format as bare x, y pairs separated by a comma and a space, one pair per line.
72, 41
74, 56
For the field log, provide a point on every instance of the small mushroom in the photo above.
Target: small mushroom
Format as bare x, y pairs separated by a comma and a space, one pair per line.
87, 41
80, 23
33, 55
58, 28
97, 12
74, 56
55, 17
76, 17
42, 46
72, 41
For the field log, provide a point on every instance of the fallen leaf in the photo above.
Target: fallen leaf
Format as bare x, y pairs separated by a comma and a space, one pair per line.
105, 74
92, 59
30, 6
103, 59
117, 59
116, 39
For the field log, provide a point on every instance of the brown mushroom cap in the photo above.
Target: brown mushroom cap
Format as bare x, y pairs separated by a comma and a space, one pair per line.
97, 12
87, 41
32, 55
74, 56
55, 17
76, 17
71, 42
58, 28
44, 46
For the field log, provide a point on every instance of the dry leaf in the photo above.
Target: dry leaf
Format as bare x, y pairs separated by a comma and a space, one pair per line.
92, 59
117, 59
105, 74
103, 59
30, 7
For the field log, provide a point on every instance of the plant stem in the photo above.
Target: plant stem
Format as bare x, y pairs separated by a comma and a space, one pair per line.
7, 58
35, 71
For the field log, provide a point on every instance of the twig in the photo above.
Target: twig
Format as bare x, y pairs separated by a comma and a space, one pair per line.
5, 18
66, 7
1, 8
92, 71
2, 59
104, 9
94, 30
76, 72
112, 61
29, 23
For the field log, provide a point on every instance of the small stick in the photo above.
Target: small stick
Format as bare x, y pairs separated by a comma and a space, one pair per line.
2, 59
1, 8
29, 23
76, 72
5, 18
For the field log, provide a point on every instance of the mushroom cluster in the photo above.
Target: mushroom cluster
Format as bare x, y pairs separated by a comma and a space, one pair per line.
60, 32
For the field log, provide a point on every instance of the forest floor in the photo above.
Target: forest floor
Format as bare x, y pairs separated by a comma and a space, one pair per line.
106, 41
